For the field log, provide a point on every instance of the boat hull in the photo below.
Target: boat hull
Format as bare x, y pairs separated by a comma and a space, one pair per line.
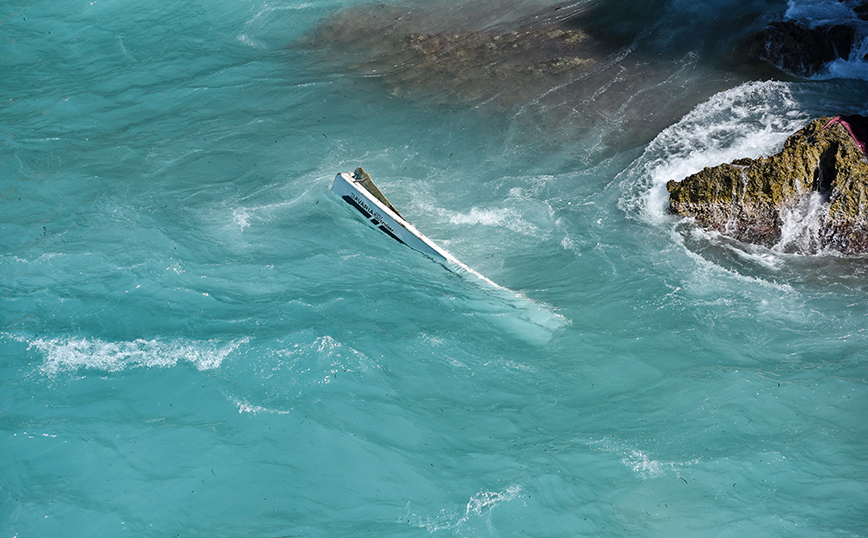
389, 222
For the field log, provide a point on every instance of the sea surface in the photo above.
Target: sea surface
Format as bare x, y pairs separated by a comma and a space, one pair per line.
197, 339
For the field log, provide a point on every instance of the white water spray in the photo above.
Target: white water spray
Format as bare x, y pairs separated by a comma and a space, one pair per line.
801, 224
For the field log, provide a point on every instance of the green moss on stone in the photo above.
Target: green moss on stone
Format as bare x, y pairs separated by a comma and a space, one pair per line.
744, 198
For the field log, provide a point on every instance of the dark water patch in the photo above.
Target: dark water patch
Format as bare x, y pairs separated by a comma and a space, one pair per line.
618, 23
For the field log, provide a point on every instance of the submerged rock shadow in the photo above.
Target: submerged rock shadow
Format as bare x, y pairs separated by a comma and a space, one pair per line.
611, 70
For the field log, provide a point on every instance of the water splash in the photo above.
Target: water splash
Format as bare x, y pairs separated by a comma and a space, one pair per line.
246, 407
639, 461
801, 225
819, 12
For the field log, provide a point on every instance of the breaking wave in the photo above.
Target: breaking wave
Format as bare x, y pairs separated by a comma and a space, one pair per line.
751, 120
829, 13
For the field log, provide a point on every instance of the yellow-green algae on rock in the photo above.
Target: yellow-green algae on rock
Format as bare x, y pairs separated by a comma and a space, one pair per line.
746, 199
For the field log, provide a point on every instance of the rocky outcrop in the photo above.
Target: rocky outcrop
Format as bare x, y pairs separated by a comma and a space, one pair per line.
810, 197
800, 50
805, 46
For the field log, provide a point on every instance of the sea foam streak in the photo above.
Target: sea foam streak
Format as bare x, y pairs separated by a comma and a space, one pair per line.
639, 461
66, 354
480, 505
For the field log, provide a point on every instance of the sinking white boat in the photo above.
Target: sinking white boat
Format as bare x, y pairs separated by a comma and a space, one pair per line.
534, 321
359, 191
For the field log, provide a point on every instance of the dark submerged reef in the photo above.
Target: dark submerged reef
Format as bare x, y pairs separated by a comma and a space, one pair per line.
617, 71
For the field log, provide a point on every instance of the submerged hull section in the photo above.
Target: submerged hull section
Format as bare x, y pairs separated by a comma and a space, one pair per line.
347, 188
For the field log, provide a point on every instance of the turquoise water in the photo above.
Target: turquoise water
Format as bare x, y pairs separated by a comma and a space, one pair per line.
198, 339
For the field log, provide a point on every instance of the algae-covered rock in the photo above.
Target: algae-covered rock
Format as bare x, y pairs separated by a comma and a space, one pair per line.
810, 197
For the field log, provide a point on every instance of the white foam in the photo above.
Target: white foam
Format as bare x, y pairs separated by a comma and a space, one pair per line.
317, 362
36, 435
67, 354
819, 12
486, 500
479, 505
853, 67
241, 218
246, 407
801, 225
639, 461
522, 211
760, 256
707, 276
124, 49
262, 19
486, 217
507, 217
